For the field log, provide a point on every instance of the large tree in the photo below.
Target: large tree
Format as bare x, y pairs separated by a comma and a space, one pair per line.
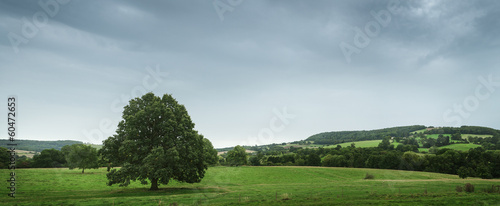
80, 156
155, 141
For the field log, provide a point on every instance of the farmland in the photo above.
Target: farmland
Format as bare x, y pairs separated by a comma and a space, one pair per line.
253, 185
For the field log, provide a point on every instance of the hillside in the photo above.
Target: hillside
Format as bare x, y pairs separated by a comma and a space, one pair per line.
338, 137
38, 146
352, 136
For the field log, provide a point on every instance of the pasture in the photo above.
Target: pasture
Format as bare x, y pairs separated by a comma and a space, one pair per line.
252, 186
368, 143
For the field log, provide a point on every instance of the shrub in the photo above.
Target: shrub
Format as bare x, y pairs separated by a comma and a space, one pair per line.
459, 188
469, 187
369, 176
286, 196
492, 189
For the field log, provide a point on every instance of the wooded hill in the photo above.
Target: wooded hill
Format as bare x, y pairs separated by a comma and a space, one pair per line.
404, 131
352, 136
38, 146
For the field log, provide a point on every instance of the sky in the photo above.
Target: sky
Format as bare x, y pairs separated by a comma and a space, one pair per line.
250, 72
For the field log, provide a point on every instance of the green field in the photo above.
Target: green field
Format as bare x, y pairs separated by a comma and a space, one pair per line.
435, 136
252, 186
464, 136
369, 143
461, 147
418, 131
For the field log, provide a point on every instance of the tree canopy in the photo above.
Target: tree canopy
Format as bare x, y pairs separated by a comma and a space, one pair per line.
4, 157
49, 158
156, 141
80, 156
237, 156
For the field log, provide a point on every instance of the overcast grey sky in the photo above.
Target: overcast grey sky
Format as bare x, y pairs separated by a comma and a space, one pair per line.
250, 71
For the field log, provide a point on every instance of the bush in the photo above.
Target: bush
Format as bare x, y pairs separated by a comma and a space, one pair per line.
286, 196
469, 187
492, 189
459, 188
369, 176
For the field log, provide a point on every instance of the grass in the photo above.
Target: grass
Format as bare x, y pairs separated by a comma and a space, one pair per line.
461, 147
419, 131
465, 136
368, 143
96, 146
435, 136
252, 186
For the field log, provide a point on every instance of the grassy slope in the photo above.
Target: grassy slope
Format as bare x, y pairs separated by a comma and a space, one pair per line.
462, 147
252, 185
419, 131
474, 135
368, 143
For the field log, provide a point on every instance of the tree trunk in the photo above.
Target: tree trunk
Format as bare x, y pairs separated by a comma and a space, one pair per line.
83, 170
154, 184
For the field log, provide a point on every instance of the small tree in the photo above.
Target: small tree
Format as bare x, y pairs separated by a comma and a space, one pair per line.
464, 172
237, 156
385, 143
80, 156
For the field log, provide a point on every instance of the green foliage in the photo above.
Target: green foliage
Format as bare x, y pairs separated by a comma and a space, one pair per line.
369, 176
237, 156
385, 143
80, 156
25, 162
210, 153
49, 158
38, 146
492, 189
313, 160
156, 141
4, 158
254, 161
469, 187
351, 136
456, 136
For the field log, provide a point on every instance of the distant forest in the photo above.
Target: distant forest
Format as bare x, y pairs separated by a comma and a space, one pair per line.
331, 138
352, 136
38, 146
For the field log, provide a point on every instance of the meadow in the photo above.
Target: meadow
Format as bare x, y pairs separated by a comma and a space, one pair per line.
252, 186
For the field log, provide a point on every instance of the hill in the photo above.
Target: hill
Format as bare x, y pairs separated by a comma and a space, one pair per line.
331, 138
352, 136
38, 146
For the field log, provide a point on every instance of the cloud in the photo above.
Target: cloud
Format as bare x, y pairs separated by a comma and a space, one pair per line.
265, 55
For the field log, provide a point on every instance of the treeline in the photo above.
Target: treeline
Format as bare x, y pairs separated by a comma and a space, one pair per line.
476, 162
38, 146
329, 138
73, 156
464, 130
